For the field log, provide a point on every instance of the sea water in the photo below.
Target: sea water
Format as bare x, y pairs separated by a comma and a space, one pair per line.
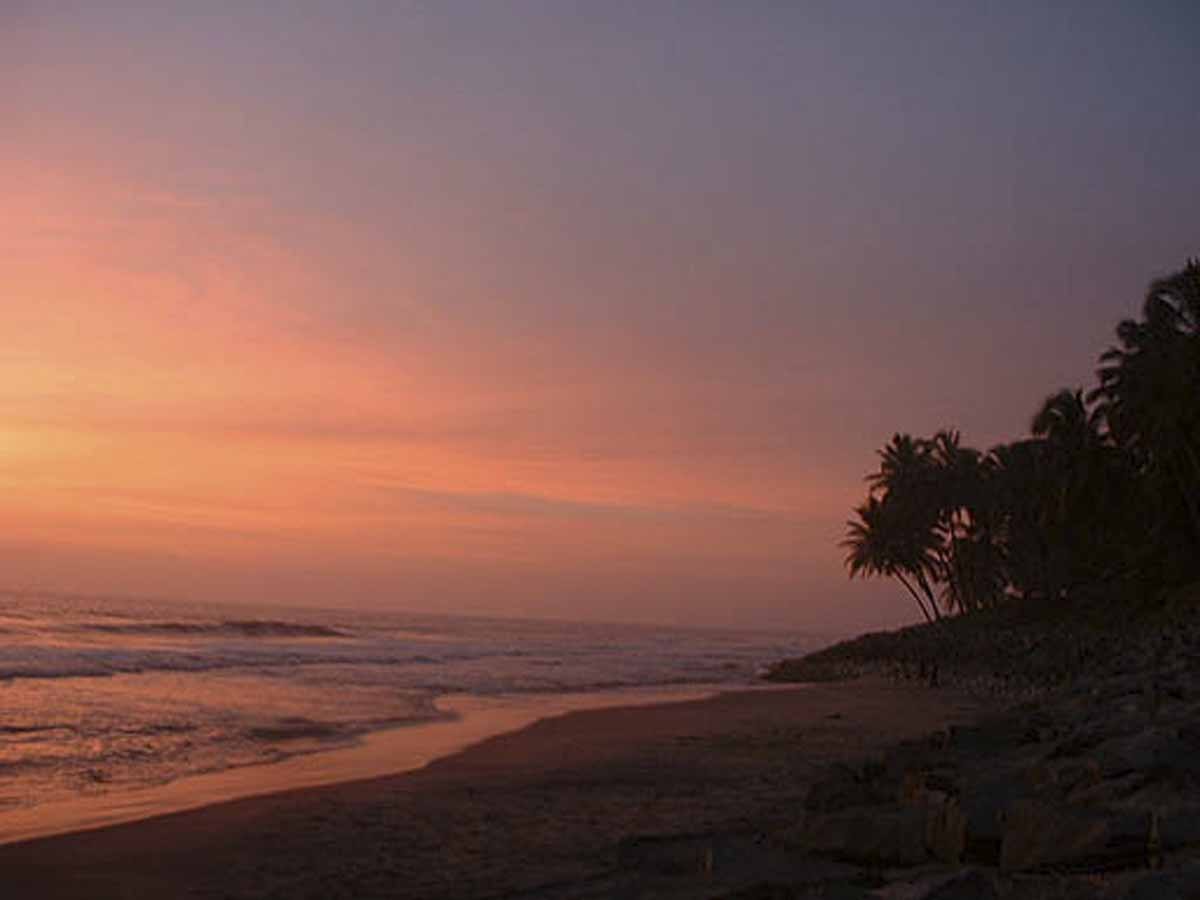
103, 695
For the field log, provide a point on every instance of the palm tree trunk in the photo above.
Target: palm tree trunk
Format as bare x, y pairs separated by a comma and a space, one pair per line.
924, 583
916, 596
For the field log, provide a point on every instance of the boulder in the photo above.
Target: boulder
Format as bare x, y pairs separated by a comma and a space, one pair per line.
1078, 775
945, 828
1139, 752
1110, 791
844, 787
931, 827
1179, 828
876, 837
1177, 884
1177, 758
1038, 834
984, 802
667, 854
972, 884
916, 884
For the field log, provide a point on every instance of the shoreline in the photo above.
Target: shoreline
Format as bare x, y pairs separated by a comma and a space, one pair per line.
552, 801
466, 720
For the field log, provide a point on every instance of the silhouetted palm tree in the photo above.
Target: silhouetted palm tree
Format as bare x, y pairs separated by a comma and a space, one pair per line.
1063, 420
906, 484
880, 542
1072, 450
905, 466
1019, 482
959, 495
1111, 492
1149, 396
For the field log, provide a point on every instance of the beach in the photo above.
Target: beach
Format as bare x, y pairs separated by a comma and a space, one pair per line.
575, 805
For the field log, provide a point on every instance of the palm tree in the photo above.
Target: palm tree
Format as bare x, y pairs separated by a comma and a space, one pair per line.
905, 467
1063, 420
958, 489
1149, 396
906, 484
1065, 506
880, 542
1023, 483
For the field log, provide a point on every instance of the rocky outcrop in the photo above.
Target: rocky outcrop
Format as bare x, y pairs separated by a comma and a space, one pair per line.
1087, 786
1021, 650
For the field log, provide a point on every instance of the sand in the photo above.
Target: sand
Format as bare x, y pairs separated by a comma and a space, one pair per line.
468, 720
544, 811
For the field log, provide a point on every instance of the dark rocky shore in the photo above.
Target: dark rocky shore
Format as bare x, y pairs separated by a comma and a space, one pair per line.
1085, 783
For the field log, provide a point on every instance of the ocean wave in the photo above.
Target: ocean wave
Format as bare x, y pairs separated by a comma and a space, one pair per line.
264, 628
268, 662
298, 728
33, 729
295, 728
104, 696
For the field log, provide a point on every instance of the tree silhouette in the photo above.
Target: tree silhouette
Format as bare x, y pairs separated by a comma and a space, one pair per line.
1149, 400
1094, 494
880, 542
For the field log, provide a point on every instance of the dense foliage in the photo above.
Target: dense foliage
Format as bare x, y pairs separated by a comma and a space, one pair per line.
1106, 487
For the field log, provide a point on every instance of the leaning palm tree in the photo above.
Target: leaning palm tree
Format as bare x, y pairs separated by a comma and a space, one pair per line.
881, 541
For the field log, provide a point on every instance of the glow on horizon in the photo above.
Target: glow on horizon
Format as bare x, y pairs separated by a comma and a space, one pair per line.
168, 412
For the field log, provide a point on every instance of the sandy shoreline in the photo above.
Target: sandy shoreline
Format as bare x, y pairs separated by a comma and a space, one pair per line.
549, 803
468, 720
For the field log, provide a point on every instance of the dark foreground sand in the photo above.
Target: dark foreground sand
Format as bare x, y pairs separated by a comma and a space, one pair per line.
563, 808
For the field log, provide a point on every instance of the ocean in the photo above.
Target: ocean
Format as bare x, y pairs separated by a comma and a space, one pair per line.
104, 695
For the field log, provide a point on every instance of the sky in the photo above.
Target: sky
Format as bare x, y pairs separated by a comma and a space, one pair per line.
588, 310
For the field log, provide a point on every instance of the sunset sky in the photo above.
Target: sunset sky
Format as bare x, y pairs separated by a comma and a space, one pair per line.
592, 310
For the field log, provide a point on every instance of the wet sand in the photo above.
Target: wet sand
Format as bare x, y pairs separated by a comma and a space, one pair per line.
543, 811
468, 720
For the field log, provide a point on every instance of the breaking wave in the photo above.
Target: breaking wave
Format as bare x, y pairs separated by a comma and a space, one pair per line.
103, 695
260, 628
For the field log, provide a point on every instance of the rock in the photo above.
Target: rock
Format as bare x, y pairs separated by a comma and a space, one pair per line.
1179, 828
1078, 776
667, 855
1177, 758
1190, 732
930, 826
945, 781
987, 738
1041, 778
914, 884
877, 837
1139, 752
844, 788
945, 829
1038, 834
1177, 884
1039, 728
983, 804
912, 789
1155, 888
972, 884
1109, 791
